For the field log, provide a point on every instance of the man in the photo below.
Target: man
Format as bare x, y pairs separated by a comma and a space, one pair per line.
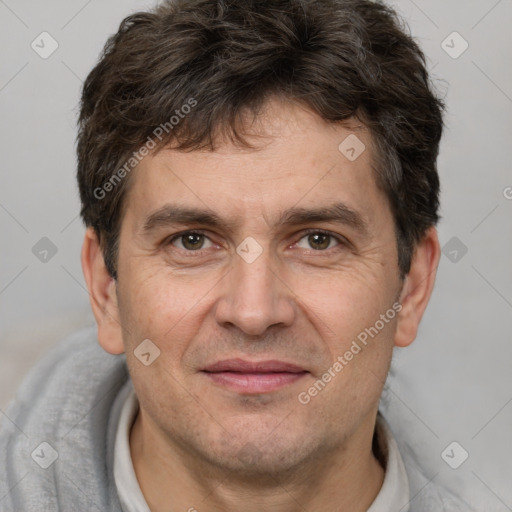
258, 181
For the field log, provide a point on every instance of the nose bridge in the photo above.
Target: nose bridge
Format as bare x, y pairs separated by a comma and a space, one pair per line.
255, 277
253, 297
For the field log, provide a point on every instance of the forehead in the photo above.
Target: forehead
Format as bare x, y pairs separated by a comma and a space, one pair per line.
297, 159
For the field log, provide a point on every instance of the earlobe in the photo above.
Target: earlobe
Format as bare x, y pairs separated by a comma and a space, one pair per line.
417, 288
102, 293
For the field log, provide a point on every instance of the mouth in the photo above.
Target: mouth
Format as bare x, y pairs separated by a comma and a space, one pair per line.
254, 377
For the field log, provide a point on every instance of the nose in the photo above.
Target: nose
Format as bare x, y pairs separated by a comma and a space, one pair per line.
253, 297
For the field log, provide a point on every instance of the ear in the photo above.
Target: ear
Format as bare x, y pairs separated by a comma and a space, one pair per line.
102, 293
417, 288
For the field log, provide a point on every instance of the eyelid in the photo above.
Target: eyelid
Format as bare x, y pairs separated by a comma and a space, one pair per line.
340, 239
171, 239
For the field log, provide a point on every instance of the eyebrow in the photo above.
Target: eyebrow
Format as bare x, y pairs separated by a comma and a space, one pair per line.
338, 213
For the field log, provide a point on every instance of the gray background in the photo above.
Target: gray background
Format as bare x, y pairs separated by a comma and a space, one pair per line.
453, 384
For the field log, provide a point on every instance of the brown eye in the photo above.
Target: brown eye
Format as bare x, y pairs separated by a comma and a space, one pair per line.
318, 241
190, 241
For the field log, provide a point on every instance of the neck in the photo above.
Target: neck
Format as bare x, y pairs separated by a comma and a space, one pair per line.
347, 479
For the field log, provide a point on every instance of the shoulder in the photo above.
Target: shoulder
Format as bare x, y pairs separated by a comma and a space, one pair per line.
64, 411
427, 491
73, 369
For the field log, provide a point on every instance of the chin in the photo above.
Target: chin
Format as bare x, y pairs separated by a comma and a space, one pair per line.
263, 456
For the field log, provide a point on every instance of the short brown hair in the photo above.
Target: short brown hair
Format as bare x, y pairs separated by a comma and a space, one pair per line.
340, 58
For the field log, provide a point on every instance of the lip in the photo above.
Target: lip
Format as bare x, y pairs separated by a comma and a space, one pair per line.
243, 366
254, 377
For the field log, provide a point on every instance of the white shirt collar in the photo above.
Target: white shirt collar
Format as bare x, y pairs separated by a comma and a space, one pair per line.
393, 496
128, 489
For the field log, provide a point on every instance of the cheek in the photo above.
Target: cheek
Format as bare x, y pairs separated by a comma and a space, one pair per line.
356, 320
167, 311
163, 307
345, 304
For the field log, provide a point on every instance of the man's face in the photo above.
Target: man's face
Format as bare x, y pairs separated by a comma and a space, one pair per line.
208, 297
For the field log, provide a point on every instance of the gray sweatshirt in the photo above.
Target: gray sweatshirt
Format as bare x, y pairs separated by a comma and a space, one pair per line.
57, 437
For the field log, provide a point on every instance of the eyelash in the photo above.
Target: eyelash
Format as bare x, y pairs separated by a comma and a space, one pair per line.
342, 242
